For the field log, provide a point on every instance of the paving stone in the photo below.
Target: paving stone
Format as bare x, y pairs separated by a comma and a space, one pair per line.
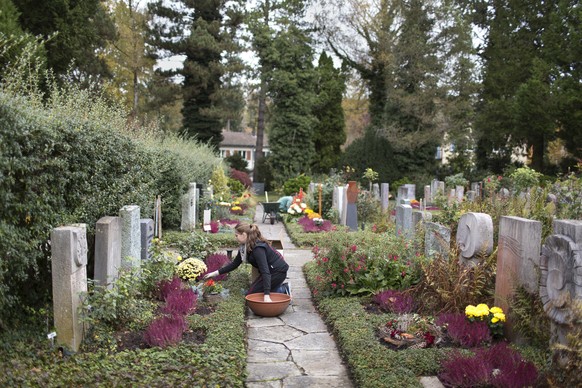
277, 334
307, 322
315, 341
301, 293
262, 352
265, 372
431, 382
319, 362
307, 307
265, 384
317, 382
257, 321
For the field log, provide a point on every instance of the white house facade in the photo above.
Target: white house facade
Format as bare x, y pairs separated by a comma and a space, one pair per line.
242, 143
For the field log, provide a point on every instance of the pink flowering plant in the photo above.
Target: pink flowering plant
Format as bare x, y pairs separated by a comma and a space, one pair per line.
348, 267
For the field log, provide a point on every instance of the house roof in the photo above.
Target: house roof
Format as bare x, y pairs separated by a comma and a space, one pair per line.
241, 139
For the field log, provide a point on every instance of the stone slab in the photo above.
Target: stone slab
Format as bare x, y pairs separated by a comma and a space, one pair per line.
314, 341
263, 352
264, 322
281, 334
266, 372
317, 382
306, 322
431, 382
318, 362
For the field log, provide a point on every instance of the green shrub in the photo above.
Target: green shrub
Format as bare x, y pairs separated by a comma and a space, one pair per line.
525, 178
292, 186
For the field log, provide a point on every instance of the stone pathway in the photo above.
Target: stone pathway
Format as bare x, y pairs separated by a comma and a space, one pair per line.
294, 349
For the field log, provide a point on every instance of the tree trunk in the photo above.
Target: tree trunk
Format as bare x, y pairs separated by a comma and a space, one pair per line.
259, 154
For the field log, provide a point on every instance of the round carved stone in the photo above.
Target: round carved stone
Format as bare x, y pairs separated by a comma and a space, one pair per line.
474, 235
561, 277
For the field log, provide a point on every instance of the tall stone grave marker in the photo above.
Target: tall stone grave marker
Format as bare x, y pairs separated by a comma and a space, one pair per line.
343, 204
402, 195
411, 191
146, 235
69, 276
474, 235
107, 250
351, 209
518, 258
460, 193
376, 191
385, 195
404, 219
437, 239
476, 187
561, 279
189, 209
420, 216
130, 236
427, 194
207, 217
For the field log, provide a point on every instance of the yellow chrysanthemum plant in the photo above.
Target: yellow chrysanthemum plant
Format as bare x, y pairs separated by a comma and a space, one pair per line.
190, 269
494, 317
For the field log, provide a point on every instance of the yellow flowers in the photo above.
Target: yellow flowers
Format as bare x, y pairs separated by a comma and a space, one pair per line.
191, 269
494, 317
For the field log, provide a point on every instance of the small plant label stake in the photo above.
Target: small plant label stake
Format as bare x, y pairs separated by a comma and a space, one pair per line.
51, 336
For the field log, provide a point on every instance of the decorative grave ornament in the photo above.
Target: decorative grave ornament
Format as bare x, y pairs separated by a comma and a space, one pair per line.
474, 236
561, 277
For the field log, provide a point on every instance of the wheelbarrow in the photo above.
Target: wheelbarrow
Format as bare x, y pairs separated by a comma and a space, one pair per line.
270, 211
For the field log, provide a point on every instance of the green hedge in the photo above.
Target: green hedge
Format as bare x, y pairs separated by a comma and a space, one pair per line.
58, 167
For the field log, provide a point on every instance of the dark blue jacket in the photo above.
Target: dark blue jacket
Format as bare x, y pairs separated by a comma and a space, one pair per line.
264, 257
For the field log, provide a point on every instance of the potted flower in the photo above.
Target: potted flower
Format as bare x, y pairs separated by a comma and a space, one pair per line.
211, 291
190, 269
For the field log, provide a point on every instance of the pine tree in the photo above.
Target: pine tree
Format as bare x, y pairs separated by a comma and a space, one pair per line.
209, 26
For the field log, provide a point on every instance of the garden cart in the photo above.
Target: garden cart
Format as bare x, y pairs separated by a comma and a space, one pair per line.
270, 211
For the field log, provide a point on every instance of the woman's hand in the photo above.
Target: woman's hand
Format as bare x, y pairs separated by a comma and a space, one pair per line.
267, 298
212, 274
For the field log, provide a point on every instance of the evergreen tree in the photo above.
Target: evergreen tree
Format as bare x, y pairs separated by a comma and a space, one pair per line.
329, 134
292, 91
207, 45
78, 30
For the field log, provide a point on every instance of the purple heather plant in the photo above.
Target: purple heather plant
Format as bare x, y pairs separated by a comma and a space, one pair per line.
166, 287
394, 301
165, 331
309, 226
215, 261
214, 226
180, 302
497, 366
463, 332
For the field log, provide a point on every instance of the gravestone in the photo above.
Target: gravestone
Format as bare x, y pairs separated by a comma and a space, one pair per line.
504, 193
440, 188
207, 217
476, 187
259, 188
130, 236
402, 195
385, 195
452, 196
351, 209
335, 199
411, 191
474, 236
561, 280
196, 203
147, 235
107, 250
404, 220
189, 209
460, 193
437, 239
427, 195
420, 216
343, 204
471, 195
376, 191
518, 259
69, 278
